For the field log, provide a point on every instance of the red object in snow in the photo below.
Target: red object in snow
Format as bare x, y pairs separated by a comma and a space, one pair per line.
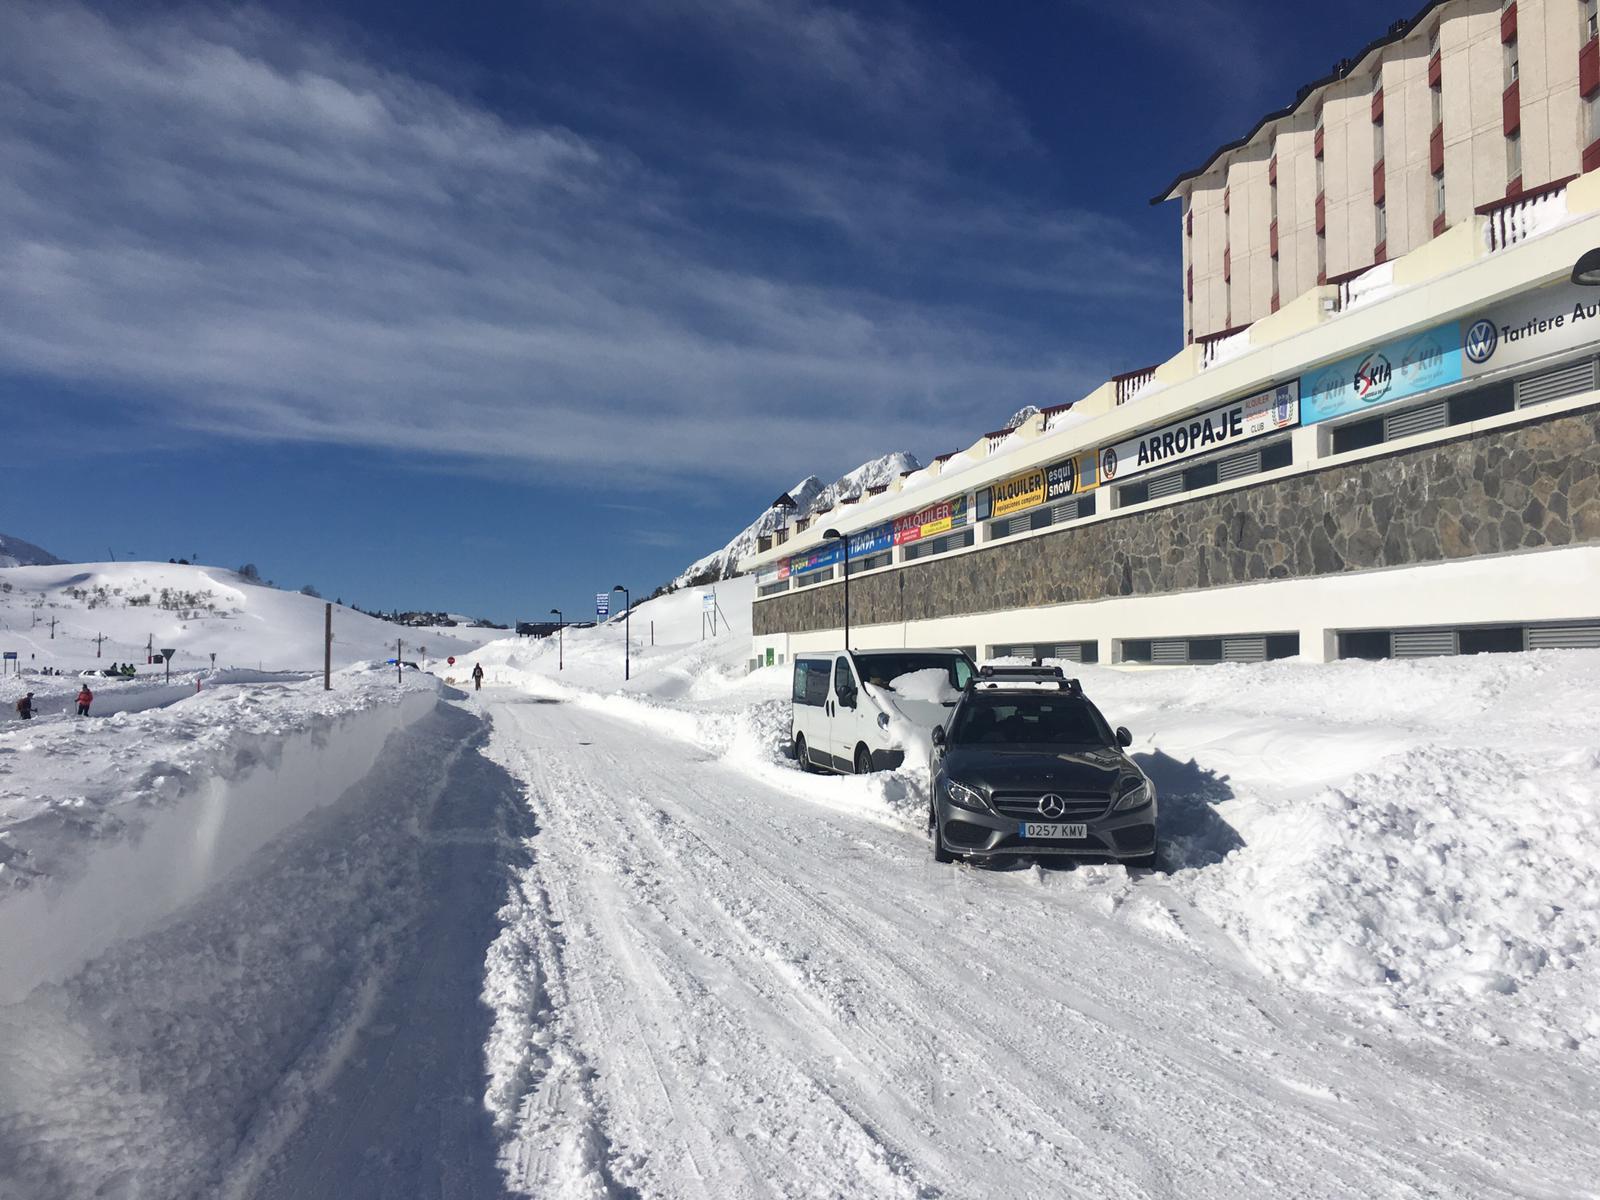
451, 660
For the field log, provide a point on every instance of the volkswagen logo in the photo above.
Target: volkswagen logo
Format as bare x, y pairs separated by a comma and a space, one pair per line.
1482, 339
1052, 806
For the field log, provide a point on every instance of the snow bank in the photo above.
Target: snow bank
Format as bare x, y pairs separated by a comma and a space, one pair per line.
107, 826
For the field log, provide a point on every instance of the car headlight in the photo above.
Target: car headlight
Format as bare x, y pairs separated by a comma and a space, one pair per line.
883, 720
1138, 794
962, 796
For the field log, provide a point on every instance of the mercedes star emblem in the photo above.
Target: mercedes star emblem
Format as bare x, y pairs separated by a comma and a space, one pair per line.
1052, 806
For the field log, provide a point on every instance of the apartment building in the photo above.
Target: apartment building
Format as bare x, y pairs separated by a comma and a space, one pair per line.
1469, 107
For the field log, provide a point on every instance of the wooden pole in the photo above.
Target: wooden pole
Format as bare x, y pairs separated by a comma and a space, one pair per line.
399, 672
327, 647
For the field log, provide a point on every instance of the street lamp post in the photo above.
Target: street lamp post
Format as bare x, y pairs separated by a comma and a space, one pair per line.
845, 543
560, 640
627, 617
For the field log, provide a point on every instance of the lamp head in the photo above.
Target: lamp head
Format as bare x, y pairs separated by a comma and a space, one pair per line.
832, 533
619, 588
555, 612
1586, 271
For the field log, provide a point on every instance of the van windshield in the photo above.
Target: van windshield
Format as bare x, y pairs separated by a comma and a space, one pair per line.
881, 670
1044, 720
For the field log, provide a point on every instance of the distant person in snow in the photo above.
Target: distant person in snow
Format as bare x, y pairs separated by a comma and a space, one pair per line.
477, 678
25, 707
85, 698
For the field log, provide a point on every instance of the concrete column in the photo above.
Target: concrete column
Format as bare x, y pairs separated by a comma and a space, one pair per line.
1319, 645
1308, 443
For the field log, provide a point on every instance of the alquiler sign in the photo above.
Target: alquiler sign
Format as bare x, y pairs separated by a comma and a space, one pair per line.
1266, 412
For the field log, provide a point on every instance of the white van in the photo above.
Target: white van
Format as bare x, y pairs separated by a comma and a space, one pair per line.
853, 709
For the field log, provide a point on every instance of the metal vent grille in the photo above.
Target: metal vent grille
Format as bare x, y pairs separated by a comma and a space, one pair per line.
1556, 384
1416, 420
1423, 643
1167, 485
1067, 511
1071, 651
1169, 650
1244, 649
1237, 466
1577, 636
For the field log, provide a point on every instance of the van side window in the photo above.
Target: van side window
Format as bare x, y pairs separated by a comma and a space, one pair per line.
963, 674
817, 684
802, 670
844, 683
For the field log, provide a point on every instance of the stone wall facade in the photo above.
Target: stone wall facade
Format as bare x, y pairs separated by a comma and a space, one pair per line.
1526, 486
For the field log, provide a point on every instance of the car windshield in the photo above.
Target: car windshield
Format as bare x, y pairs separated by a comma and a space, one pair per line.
882, 670
1044, 720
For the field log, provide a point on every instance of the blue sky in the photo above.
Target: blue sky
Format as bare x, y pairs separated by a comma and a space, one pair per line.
489, 310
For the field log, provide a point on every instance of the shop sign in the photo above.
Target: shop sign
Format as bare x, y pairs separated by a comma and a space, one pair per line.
1043, 485
1251, 417
1533, 326
931, 521
870, 541
823, 556
1017, 493
1381, 374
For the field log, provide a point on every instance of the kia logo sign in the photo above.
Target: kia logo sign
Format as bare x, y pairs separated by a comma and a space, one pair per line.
1482, 339
1372, 378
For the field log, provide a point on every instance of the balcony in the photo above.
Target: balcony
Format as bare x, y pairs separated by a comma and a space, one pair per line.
1436, 150
1272, 239
1435, 70
1227, 264
1317, 142
1377, 106
1517, 218
1377, 182
1589, 67
1131, 383
1511, 107
1322, 212
1508, 22
1272, 171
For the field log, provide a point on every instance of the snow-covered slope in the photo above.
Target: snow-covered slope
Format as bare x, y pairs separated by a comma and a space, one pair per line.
198, 610
14, 552
809, 495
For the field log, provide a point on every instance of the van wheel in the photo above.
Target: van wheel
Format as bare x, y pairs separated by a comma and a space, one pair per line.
800, 755
863, 761
940, 854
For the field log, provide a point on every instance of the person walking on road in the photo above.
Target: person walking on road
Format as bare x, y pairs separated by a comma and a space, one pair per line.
85, 698
25, 707
477, 678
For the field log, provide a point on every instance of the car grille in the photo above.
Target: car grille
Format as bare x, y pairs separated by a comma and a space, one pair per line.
1080, 805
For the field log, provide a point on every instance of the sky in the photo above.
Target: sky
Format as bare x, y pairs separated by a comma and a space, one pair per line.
487, 307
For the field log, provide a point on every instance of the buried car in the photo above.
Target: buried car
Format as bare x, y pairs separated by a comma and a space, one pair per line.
1027, 767
862, 710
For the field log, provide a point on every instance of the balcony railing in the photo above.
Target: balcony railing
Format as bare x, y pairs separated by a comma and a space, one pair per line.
1530, 214
1131, 384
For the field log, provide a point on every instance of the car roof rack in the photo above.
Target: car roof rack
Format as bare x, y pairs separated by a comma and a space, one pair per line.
992, 678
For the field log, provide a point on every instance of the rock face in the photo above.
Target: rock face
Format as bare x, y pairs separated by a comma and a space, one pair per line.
14, 552
1531, 486
809, 495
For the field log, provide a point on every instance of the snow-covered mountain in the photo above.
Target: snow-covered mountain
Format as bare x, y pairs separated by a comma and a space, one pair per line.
809, 495
14, 552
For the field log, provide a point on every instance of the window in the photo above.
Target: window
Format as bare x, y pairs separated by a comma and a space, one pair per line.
1433, 41
1043, 720
1591, 19
1510, 59
1322, 257
1591, 119
1372, 643
1436, 98
1438, 194
1514, 156
810, 682
881, 670
1276, 291
1279, 454
1505, 639
1377, 141
1380, 214
1321, 172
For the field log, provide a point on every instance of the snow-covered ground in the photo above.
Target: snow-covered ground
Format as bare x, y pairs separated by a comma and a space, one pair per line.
575, 937
198, 611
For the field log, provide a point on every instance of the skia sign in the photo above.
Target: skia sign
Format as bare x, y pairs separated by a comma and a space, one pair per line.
931, 521
1380, 374
1533, 326
1251, 417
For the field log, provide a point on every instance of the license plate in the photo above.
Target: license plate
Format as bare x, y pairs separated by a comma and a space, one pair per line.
1039, 829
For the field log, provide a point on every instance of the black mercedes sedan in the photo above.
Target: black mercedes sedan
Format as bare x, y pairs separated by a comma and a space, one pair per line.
1027, 767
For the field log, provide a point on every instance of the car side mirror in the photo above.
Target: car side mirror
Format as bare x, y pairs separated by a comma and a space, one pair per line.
938, 735
847, 698
1124, 738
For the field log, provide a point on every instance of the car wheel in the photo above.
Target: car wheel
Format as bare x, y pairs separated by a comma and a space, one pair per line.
800, 755
940, 854
863, 761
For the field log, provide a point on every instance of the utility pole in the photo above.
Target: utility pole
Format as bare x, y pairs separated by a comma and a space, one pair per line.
627, 620
98, 638
149, 649
327, 647
52, 629
561, 631
399, 671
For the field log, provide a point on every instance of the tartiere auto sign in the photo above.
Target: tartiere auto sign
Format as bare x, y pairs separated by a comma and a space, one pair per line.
1533, 326
1251, 417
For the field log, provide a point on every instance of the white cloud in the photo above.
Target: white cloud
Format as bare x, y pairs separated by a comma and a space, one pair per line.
261, 234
